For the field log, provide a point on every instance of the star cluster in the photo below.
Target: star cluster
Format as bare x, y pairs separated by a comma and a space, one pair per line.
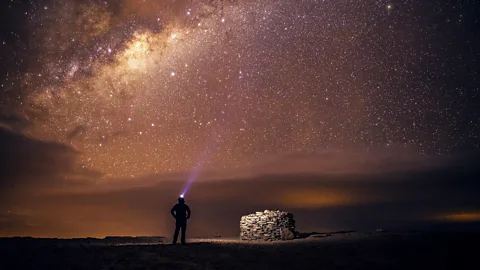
141, 87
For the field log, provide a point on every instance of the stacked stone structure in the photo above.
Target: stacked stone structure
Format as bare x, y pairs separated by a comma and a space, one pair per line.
268, 226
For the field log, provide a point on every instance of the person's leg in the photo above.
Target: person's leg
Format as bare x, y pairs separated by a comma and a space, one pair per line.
175, 235
184, 229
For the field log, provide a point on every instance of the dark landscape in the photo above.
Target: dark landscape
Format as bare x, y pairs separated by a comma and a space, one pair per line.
354, 250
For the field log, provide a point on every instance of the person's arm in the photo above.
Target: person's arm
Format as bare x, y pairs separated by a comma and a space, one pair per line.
188, 212
173, 212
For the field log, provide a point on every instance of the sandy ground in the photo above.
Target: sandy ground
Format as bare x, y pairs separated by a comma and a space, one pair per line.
338, 251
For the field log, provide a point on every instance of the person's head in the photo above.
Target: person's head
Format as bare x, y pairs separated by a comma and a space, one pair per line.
181, 200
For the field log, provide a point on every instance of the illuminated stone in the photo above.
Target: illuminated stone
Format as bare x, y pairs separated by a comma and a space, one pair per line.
267, 226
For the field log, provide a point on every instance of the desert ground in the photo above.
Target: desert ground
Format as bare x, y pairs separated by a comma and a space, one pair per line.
352, 250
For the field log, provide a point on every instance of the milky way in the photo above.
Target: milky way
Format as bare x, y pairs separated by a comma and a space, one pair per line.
141, 87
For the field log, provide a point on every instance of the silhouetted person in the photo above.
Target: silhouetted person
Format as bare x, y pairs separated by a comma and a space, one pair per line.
181, 212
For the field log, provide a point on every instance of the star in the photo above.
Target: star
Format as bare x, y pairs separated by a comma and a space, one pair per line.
254, 78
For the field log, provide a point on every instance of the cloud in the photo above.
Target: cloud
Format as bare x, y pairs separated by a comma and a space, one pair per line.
319, 199
359, 161
28, 163
13, 122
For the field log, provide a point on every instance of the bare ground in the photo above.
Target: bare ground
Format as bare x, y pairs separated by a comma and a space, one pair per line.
338, 251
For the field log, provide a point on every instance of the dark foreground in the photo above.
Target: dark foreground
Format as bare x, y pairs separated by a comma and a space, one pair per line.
340, 251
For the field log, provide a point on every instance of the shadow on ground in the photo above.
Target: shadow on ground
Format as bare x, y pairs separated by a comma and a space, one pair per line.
300, 235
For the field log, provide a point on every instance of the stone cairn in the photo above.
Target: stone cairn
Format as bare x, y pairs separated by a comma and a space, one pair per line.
268, 226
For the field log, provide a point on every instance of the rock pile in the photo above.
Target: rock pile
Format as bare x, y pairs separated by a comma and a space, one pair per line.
267, 225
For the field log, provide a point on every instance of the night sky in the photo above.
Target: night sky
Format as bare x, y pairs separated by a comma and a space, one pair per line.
347, 113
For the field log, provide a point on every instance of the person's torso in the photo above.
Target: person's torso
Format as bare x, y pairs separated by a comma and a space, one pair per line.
181, 211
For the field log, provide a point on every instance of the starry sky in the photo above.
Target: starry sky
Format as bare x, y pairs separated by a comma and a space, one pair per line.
132, 89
